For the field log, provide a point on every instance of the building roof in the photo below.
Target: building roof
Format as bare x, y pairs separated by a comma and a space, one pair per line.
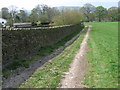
21, 24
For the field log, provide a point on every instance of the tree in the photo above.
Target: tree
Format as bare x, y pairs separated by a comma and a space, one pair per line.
43, 13
101, 13
49, 12
5, 13
34, 16
119, 12
68, 16
113, 13
13, 12
87, 10
22, 16
0, 13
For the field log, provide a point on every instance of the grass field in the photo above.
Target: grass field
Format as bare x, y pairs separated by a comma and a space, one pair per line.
103, 55
102, 58
51, 74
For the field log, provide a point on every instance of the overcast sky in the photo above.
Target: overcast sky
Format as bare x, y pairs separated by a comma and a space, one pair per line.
30, 4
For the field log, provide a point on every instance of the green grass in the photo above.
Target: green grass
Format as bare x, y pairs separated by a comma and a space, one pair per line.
103, 55
43, 51
51, 74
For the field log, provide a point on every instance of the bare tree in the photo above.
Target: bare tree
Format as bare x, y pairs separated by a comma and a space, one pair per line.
13, 11
87, 10
23, 16
43, 13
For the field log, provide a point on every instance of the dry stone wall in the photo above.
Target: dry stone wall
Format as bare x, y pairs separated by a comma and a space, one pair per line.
21, 42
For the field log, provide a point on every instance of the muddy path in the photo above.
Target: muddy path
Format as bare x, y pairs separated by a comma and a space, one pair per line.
73, 78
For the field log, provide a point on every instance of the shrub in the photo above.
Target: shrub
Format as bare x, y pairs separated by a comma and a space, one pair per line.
68, 16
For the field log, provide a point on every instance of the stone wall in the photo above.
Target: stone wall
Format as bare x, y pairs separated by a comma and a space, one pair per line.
21, 42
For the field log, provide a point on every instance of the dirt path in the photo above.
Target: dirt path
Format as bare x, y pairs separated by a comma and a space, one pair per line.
73, 78
24, 73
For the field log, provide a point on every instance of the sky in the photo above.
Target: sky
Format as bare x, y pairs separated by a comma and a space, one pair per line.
30, 4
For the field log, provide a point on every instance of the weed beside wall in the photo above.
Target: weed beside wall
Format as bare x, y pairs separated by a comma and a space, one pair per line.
20, 43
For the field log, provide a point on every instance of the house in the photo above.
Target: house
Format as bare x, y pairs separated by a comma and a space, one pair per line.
2, 22
22, 25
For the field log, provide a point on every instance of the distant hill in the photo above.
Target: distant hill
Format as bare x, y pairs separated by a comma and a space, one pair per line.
70, 7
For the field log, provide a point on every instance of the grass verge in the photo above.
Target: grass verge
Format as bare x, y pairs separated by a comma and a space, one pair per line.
103, 56
43, 51
50, 75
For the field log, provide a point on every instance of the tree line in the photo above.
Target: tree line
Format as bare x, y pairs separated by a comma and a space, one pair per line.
44, 13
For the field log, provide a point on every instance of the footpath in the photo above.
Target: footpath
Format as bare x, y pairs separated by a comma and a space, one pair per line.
78, 68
